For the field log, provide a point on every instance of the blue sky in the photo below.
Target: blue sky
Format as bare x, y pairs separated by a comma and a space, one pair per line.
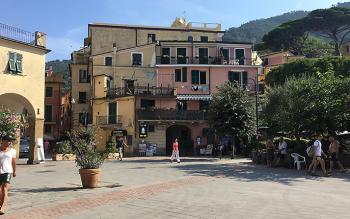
65, 21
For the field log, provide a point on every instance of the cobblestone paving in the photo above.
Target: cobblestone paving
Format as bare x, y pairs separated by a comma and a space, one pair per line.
196, 188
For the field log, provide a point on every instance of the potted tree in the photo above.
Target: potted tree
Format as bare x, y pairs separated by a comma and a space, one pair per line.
63, 151
87, 157
111, 151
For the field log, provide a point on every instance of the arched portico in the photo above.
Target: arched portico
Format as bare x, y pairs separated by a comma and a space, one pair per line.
20, 105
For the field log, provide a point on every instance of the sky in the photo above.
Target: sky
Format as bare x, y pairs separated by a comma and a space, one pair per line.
65, 22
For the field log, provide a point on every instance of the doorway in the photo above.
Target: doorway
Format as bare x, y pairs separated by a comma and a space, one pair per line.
183, 134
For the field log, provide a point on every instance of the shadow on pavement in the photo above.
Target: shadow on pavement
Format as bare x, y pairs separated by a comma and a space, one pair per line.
249, 172
166, 160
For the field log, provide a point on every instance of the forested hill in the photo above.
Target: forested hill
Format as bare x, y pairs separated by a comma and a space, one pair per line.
61, 67
255, 30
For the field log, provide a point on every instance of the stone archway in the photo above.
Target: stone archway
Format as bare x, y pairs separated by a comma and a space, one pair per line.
183, 134
20, 105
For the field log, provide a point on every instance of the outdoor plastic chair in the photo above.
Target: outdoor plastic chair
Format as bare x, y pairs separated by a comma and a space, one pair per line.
298, 159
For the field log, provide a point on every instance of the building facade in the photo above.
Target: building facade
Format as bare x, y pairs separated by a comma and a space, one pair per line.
57, 108
154, 84
22, 79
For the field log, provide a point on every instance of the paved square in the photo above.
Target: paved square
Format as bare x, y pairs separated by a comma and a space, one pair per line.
196, 188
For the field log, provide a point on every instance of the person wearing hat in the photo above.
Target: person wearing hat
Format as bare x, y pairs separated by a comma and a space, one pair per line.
7, 168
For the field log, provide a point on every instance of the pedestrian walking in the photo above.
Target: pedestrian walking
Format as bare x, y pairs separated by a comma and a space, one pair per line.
7, 169
317, 157
334, 154
282, 151
176, 153
270, 148
120, 147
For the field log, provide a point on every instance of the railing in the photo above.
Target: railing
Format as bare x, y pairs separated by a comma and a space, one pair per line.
17, 34
205, 60
140, 90
108, 120
162, 114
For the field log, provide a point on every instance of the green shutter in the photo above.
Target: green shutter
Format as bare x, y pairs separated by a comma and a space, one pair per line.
245, 78
195, 76
184, 74
233, 76
12, 62
19, 58
203, 77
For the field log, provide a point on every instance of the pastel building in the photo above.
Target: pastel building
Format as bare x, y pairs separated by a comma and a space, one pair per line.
153, 84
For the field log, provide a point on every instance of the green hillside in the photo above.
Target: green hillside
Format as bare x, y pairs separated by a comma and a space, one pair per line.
61, 67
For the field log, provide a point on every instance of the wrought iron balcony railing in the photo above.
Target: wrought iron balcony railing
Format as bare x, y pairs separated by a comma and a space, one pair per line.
108, 121
17, 34
141, 91
206, 60
172, 115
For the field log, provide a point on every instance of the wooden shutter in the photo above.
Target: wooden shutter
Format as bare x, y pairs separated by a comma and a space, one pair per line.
195, 76
19, 58
12, 61
245, 78
203, 77
184, 74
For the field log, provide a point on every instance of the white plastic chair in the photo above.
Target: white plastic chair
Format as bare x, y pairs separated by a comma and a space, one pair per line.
298, 159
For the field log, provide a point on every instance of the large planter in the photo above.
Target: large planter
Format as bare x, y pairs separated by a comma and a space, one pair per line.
111, 156
89, 177
58, 157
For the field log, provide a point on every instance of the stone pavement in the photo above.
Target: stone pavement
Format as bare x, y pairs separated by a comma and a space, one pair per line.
196, 188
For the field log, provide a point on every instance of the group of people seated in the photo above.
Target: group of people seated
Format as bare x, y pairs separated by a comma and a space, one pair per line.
314, 153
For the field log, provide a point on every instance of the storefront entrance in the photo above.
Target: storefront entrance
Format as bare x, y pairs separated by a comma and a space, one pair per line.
183, 134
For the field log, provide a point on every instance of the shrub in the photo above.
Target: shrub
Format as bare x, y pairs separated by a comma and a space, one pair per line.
83, 144
110, 148
63, 147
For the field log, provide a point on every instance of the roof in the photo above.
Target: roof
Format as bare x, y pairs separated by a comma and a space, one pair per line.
26, 44
197, 29
275, 53
193, 97
214, 42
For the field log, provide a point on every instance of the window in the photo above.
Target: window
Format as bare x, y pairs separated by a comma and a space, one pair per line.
83, 118
15, 62
204, 105
181, 105
239, 56
151, 38
241, 78
199, 77
203, 55
47, 129
190, 38
83, 76
145, 103
48, 113
112, 113
108, 61
137, 59
165, 56
48, 92
150, 128
225, 52
265, 61
181, 74
82, 97
181, 55
204, 39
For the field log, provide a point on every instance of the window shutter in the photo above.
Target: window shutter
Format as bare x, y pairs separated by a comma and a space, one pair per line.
184, 74
12, 62
245, 78
19, 58
203, 77
195, 76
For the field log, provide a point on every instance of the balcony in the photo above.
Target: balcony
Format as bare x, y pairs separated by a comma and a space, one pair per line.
17, 34
166, 60
106, 121
140, 91
172, 115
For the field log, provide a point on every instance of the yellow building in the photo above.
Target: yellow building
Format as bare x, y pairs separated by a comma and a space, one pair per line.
22, 79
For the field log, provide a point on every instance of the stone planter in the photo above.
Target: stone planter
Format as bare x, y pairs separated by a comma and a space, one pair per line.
89, 177
58, 157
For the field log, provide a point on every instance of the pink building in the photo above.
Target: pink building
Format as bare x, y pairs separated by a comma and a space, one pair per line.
195, 70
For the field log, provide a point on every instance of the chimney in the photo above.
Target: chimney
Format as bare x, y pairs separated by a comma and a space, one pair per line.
40, 39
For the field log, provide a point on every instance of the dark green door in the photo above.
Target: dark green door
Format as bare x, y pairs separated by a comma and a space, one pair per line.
112, 113
203, 55
239, 56
181, 55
